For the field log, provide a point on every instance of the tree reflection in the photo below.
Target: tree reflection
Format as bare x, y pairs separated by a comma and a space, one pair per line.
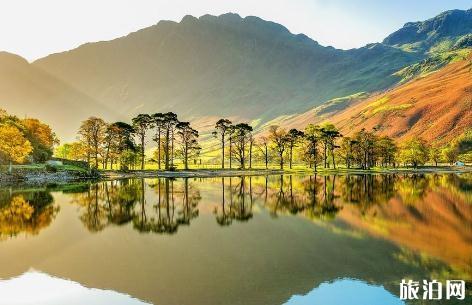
159, 207
26, 212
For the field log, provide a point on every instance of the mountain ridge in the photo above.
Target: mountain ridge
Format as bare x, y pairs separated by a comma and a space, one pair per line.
210, 66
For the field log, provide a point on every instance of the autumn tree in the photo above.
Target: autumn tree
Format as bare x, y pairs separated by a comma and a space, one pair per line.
118, 138
222, 129
41, 137
141, 124
188, 141
92, 135
279, 141
14, 147
263, 146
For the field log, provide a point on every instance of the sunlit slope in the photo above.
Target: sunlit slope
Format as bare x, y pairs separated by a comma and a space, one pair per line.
28, 91
436, 107
223, 66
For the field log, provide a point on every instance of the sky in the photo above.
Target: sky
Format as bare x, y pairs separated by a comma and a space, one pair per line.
36, 28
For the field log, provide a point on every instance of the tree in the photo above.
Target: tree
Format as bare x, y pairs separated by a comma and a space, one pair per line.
313, 138
450, 153
14, 147
241, 134
346, 150
435, 155
264, 149
63, 151
414, 152
118, 137
222, 128
92, 134
188, 140
159, 123
169, 122
279, 141
329, 133
293, 137
386, 150
141, 124
41, 138
364, 152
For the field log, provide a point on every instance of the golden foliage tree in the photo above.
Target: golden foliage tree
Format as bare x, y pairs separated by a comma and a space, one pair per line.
14, 147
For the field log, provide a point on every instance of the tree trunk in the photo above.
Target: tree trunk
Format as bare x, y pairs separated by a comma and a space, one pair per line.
223, 151
167, 150
324, 155
159, 148
10, 167
230, 153
266, 158
186, 157
332, 157
142, 152
250, 155
291, 156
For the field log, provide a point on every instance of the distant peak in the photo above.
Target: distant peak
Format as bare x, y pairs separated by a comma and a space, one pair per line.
230, 17
188, 18
12, 57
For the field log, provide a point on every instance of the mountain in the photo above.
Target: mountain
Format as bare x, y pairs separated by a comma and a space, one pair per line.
28, 91
436, 107
225, 65
210, 67
436, 34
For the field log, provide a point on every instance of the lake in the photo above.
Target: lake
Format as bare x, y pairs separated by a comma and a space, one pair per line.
293, 239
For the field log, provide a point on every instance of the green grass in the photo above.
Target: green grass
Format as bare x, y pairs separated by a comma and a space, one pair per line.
42, 167
435, 61
391, 108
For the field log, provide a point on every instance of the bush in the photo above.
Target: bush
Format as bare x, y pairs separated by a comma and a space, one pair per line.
51, 168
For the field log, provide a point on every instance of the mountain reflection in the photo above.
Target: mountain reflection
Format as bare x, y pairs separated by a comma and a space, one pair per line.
427, 214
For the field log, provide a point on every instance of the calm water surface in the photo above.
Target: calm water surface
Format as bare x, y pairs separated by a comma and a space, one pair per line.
255, 240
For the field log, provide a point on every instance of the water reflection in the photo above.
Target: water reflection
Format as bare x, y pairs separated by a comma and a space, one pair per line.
25, 213
378, 228
44, 289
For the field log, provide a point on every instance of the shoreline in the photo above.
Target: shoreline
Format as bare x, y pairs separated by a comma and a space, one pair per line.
208, 173
61, 177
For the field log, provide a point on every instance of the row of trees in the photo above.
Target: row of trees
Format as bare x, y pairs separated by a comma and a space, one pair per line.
109, 144
24, 140
323, 145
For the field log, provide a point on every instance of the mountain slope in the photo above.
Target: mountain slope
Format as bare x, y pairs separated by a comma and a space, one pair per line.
225, 65
436, 107
26, 90
436, 34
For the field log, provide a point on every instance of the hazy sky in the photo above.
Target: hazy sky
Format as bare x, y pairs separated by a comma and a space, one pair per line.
35, 28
